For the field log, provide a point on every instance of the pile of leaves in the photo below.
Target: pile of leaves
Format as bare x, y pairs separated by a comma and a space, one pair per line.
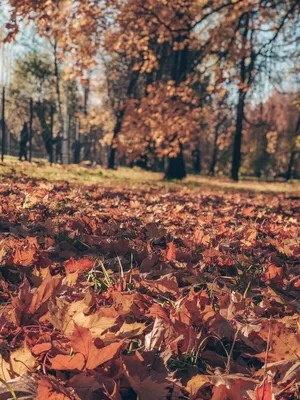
147, 294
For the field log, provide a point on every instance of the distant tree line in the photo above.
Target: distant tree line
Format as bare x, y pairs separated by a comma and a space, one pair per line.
175, 86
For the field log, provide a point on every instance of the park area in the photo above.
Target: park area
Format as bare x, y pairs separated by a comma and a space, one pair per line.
119, 285
149, 200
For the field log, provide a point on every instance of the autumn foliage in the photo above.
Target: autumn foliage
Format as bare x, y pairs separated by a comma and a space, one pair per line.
151, 294
179, 78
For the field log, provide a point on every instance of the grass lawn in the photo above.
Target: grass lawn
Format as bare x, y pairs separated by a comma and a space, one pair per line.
135, 177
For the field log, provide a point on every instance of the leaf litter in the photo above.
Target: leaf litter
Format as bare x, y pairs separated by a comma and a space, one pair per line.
147, 294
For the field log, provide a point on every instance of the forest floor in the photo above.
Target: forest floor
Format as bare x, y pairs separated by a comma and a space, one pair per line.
135, 177
118, 285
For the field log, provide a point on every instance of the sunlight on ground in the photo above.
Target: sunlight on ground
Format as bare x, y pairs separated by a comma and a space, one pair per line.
131, 177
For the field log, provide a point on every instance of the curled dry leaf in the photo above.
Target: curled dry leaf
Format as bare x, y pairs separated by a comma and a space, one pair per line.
20, 362
154, 339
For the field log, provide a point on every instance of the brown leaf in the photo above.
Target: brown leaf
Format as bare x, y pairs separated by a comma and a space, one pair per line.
81, 341
171, 251
25, 257
21, 361
68, 363
195, 384
166, 284
148, 385
51, 391
82, 265
101, 356
43, 294
41, 348
284, 343
264, 391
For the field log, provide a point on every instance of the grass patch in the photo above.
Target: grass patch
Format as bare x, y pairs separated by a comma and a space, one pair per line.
135, 177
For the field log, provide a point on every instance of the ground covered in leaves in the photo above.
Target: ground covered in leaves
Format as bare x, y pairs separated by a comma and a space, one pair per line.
119, 293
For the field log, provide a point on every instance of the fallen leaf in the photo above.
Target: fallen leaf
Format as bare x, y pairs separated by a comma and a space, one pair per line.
21, 362
171, 251
195, 384
264, 391
41, 348
68, 363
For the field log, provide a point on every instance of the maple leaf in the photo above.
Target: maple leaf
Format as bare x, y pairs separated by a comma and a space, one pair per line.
64, 316
210, 253
148, 385
50, 390
284, 343
68, 363
87, 356
25, 257
274, 274
82, 265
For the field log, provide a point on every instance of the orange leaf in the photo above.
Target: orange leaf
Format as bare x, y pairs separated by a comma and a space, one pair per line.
25, 256
41, 348
103, 355
273, 274
50, 391
68, 363
264, 391
81, 341
83, 265
43, 294
171, 252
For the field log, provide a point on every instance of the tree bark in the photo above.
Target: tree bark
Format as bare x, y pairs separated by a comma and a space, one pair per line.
236, 155
40, 111
245, 72
197, 161
293, 153
113, 149
215, 150
176, 167
58, 94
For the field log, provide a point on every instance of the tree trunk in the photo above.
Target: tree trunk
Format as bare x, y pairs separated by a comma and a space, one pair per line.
293, 153
214, 156
113, 149
236, 155
40, 111
245, 80
290, 166
57, 87
176, 167
197, 161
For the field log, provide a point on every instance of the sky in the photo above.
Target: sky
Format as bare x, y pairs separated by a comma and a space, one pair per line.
27, 41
